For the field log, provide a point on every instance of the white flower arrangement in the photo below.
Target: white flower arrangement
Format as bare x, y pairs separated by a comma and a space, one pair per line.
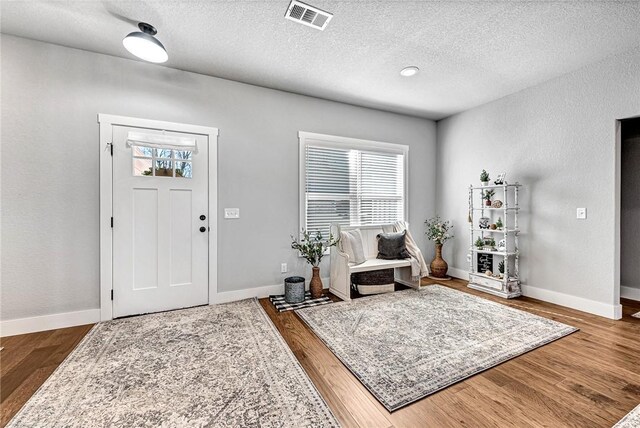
438, 230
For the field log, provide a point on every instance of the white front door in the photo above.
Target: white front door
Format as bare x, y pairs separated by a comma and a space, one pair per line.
160, 225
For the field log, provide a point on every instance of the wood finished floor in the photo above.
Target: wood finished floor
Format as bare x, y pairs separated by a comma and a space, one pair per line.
588, 379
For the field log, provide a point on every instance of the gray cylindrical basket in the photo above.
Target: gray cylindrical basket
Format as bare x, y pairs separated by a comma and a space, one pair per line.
294, 289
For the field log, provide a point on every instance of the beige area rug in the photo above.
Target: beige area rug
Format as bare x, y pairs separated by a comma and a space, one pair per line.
213, 366
406, 345
632, 420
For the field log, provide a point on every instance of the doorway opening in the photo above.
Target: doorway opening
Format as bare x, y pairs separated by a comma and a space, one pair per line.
630, 215
158, 223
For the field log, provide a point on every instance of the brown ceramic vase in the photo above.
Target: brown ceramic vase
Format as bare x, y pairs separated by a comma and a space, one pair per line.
315, 286
438, 266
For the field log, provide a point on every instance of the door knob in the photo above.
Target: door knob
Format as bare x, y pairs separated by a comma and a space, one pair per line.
203, 217
203, 229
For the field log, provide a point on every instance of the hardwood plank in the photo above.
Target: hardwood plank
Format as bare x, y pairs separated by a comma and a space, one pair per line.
590, 378
28, 360
519, 392
332, 379
19, 397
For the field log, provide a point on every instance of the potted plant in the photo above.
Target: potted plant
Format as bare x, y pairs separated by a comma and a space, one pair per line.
487, 195
499, 224
479, 243
484, 178
313, 249
501, 268
492, 244
438, 231
489, 244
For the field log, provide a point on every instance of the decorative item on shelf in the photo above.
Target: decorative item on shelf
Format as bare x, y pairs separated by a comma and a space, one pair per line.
499, 224
497, 203
488, 273
484, 178
485, 261
502, 245
500, 180
493, 226
487, 195
501, 267
479, 243
438, 231
489, 244
483, 223
313, 249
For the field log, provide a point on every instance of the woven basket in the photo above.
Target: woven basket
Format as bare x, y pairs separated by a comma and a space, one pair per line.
373, 277
373, 282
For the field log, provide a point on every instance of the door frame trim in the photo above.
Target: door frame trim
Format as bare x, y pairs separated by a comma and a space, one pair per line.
106, 122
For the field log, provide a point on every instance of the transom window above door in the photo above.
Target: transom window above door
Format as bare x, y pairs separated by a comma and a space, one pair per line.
151, 162
350, 182
160, 155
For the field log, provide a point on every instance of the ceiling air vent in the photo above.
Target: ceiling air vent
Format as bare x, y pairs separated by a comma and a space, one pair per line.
308, 15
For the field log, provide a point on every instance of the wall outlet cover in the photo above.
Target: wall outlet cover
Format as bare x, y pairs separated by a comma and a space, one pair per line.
232, 213
581, 213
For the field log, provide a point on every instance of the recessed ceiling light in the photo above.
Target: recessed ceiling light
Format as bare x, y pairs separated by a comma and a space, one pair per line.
409, 71
143, 45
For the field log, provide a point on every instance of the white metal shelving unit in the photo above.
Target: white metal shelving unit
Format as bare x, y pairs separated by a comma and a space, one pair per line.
509, 285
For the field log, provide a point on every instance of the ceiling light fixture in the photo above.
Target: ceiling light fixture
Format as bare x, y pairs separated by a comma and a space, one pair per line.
409, 71
143, 45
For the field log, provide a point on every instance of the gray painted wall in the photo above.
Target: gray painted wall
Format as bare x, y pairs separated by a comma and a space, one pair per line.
630, 205
558, 138
51, 96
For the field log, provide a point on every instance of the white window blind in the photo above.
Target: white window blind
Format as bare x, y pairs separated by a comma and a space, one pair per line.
352, 184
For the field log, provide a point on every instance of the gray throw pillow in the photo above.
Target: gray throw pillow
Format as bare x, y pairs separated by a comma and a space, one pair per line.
351, 242
391, 246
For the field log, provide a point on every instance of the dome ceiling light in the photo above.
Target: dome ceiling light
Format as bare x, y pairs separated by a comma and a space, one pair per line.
409, 71
143, 45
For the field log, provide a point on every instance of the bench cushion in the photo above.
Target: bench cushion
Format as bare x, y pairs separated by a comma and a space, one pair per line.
373, 264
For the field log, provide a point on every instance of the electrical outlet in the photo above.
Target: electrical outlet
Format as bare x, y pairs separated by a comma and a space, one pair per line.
232, 213
283, 268
581, 213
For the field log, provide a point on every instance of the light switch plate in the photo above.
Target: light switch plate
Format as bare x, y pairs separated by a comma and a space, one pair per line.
232, 213
581, 213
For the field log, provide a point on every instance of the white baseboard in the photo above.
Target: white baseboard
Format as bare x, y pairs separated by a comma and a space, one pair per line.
259, 292
71, 319
48, 322
248, 293
573, 302
630, 293
580, 303
458, 273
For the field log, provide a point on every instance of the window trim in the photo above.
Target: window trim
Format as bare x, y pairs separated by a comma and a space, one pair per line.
334, 141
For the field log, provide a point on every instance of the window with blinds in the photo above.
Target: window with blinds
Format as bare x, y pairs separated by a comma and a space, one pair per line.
351, 182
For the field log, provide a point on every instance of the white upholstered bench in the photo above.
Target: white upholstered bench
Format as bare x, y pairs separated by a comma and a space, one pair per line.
342, 267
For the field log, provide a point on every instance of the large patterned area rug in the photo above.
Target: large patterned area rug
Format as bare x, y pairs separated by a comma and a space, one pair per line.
219, 366
632, 420
406, 345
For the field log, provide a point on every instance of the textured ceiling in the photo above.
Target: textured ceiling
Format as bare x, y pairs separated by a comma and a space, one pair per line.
469, 53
